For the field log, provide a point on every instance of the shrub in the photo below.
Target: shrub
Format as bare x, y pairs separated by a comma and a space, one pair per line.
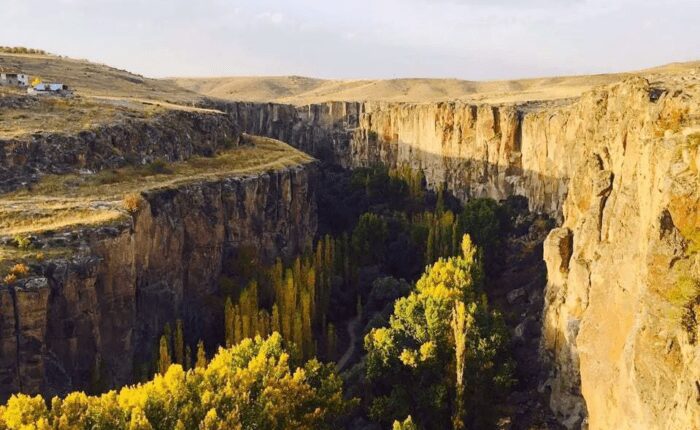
20, 270
10, 278
22, 241
158, 167
21, 50
132, 203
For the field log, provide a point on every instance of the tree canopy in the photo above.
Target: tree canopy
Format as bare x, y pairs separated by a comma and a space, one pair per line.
408, 361
255, 384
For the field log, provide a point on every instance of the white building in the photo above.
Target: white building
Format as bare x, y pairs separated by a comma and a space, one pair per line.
12, 77
49, 88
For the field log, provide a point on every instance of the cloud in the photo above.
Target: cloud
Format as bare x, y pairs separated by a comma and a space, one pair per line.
275, 18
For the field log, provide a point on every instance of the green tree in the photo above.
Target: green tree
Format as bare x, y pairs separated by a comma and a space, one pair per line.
164, 360
407, 424
407, 361
369, 239
253, 385
201, 361
179, 343
229, 322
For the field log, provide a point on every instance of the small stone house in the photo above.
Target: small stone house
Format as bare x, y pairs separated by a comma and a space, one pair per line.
13, 77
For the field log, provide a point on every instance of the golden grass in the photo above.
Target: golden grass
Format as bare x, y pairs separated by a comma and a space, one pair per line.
302, 91
68, 115
9, 257
103, 95
60, 202
94, 79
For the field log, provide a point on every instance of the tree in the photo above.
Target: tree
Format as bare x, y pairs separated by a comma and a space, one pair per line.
201, 361
275, 324
331, 342
179, 343
369, 239
461, 322
164, 361
253, 385
188, 358
407, 424
407, 360
229, 323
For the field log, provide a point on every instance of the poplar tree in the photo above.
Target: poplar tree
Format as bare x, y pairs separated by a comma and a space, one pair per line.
201, 361
237, 325
275, 323
163, 356
179, 343
460, 324
188, 358
229, 322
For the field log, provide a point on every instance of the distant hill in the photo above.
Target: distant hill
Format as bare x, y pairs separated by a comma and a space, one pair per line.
92, 79
301, 90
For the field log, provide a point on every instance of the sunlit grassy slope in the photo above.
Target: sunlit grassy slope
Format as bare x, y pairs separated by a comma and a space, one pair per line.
60, 202
300, 90
102, 95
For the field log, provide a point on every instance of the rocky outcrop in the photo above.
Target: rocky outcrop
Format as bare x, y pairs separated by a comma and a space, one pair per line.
618, 168
94, 318
171, 136
325, 130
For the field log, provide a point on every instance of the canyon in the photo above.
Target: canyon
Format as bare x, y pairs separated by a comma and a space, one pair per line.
617, 167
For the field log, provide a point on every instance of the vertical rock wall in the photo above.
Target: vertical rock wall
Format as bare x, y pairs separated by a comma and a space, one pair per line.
619, 169
95, 318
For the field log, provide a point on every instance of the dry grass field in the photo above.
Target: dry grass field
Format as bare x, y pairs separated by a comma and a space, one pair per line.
59, 202
101, 95
92, 79
301, 91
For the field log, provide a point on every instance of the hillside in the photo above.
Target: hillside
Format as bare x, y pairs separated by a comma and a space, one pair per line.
93, 79
301, 90
103, 95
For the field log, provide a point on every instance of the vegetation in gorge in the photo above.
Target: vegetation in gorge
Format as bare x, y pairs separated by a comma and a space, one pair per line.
445, 323
435, 350
255, 384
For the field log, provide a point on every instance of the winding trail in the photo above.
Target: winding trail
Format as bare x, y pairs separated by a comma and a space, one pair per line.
352, 334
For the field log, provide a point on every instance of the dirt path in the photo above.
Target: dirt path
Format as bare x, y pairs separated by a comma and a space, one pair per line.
352, 335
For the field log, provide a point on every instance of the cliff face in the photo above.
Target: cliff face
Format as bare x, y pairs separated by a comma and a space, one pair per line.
172, 136
96, 317
619, 169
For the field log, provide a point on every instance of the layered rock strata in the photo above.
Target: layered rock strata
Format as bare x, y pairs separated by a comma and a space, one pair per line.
94, 318
171, 136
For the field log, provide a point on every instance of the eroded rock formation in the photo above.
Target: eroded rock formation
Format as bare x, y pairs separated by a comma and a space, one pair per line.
97, 316
171, 136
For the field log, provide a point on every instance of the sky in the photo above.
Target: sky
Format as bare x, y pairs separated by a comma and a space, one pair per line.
465, 39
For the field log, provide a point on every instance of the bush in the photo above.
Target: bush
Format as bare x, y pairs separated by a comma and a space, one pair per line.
21, 50
22, 241
132, 203
158, 167
20, 270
